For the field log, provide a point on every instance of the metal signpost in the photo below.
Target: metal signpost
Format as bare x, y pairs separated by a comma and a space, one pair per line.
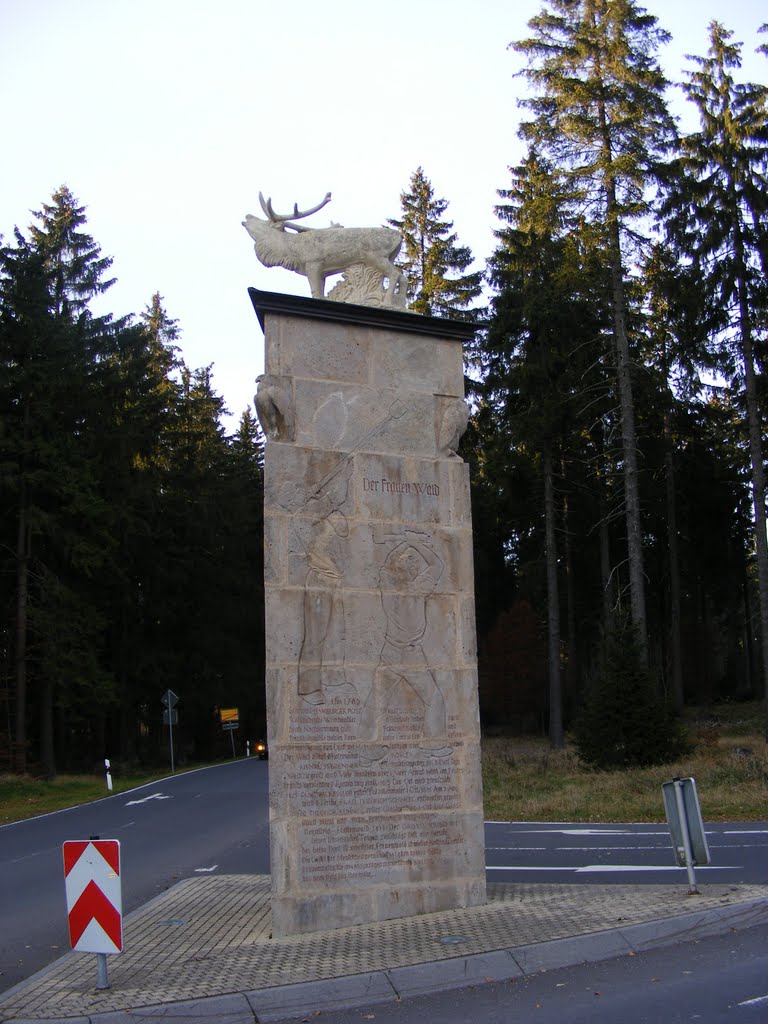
686, 826
230, 720
169, 700
94, 899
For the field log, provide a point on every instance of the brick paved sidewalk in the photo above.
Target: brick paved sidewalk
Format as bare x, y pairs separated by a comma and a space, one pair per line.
211, 936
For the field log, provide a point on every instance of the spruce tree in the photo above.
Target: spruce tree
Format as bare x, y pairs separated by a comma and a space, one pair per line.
435, 264
717, 217
73, 258
134, 444
53, 349
599, 116
543, 337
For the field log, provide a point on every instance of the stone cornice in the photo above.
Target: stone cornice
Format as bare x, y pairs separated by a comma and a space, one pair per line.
365, 316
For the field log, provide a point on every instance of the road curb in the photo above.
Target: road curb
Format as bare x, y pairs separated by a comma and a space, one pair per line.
377, 987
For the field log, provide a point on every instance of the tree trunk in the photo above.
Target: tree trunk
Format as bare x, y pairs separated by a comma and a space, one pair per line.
626, 400
673, 550
628, 437
47, 756
572, 673
604, 537
556, 738
758, 483
755, 443
22, 608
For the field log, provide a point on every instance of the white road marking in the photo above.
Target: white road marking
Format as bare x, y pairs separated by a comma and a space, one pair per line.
528, 849
610, 849
736, 846
596, 868
207, 869
655, 867
585, 832
144, 799
757, 1001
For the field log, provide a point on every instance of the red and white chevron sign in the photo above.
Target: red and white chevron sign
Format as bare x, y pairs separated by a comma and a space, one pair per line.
94, 898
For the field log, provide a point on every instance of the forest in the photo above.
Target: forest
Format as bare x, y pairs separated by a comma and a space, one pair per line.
615, 444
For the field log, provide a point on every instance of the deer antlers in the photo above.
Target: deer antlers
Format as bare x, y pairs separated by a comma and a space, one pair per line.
285, 219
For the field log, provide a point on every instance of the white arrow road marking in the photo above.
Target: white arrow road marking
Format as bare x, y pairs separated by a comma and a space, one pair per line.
207, 869
152, 796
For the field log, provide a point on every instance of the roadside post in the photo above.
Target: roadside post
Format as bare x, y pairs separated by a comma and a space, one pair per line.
686, 827
107, 767
230, 720
94, 899
169, 700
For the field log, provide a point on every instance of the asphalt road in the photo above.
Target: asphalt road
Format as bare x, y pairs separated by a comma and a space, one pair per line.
212, 820
631, 854
215, 820
718, 980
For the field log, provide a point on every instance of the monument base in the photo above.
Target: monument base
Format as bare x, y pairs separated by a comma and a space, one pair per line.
373, 725
298, 915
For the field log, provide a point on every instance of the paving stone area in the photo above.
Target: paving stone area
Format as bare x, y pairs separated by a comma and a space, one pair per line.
210, 936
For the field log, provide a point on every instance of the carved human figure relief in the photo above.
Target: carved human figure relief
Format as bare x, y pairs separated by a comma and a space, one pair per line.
324, 541
408, 576
318, 253
274, 407
452, 427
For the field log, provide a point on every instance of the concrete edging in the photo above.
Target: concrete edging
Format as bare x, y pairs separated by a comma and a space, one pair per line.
376, 987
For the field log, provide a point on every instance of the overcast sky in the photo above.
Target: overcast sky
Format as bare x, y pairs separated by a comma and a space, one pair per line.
167, 117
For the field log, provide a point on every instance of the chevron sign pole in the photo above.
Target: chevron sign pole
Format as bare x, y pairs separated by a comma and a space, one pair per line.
94, 899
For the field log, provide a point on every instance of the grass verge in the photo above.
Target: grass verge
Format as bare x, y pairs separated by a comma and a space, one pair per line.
22, 796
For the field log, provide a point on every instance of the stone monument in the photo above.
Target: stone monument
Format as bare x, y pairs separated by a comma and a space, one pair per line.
375, 786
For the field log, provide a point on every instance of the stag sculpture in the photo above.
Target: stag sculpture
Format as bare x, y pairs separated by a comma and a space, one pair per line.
317, 253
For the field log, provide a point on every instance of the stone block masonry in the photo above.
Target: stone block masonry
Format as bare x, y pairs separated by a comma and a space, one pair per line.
375, 786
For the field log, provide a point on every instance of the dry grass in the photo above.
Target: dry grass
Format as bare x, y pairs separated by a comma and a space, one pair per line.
526, 781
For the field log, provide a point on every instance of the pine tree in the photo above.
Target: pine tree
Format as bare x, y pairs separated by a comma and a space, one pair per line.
435, 264
717, 217
599, 116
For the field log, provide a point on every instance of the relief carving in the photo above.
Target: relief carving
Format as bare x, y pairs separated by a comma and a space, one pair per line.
324, 541
274, 407
408, 576
452, 427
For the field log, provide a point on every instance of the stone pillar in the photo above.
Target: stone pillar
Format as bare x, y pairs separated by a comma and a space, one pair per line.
375, 787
